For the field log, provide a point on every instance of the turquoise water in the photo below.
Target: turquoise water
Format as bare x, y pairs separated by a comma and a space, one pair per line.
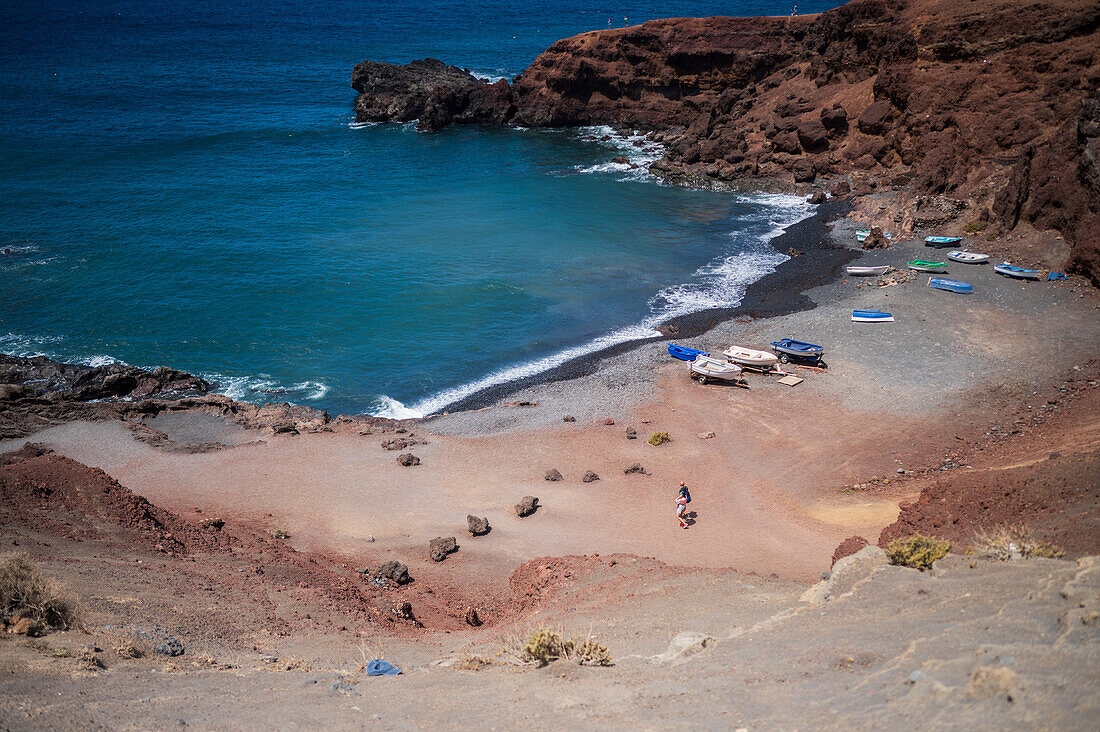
186, 186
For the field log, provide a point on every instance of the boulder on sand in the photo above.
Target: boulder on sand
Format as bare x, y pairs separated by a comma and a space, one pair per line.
636, 468
631, 433
553, 475
440, 547
477, 526
590, 477
395, 571
472, 618
407, 459
527, 506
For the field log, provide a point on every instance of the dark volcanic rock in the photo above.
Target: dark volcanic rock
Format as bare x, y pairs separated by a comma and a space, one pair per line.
590, 477
407, 459
636, 468
553, 475
472, 618
83, 383
527, 506
395, 571
477, 526
440, 547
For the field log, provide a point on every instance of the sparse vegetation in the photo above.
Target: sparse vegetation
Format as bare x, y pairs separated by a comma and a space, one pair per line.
917, 551
473, 663
543, 646
128, 650
659, 438
89, 661
280, 534
1001, 541
975, 227
25, 592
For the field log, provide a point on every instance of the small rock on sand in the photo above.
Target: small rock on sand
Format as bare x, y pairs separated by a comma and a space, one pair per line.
609, 421
472, 618
170, 646
589, 477
569, 418
407, 459
441, 546
394, 443
553, 475
527, 506
635, 468
706, 435
477, 526
631, 433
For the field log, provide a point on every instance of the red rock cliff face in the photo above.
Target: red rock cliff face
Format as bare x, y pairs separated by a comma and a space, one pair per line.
978, 111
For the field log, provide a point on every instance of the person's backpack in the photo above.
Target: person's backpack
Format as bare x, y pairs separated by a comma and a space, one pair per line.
684, 492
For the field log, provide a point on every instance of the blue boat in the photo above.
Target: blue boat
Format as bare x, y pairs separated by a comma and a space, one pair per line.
950, 285
788, 349
1006, 269
871, 316
684, 353
941, 241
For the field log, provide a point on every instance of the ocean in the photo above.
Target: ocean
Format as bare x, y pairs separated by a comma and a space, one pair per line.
184, 184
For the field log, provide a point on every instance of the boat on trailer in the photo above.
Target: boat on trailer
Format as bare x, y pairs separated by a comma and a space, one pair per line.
1019, 273
868, 271
871, 316
750, 357
708, 367
921, 265
684, 353
789, 348
941, 241
961, 255
940, 283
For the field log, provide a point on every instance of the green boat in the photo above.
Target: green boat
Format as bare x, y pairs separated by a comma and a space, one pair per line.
921, 265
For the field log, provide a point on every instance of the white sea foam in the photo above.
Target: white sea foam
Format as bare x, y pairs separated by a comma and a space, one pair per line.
362, 125
639, 152
263, 388
390, 408
52, 347
718, 284
491, 77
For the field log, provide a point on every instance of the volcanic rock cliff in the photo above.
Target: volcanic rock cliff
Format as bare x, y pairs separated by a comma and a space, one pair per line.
976, 112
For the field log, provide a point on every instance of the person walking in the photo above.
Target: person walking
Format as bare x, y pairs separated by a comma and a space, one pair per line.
682, 501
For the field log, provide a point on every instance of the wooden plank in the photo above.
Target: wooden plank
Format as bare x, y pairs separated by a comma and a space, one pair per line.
791, 380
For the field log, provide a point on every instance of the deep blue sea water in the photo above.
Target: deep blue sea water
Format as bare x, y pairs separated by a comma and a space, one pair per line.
183, 184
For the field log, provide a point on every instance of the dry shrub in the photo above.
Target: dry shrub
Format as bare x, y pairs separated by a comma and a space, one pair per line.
659, 438
544, 646
999, 542
26, 592
975, 227
591, 653
128, 650
89, 661
917, 551
473, 663
280, 534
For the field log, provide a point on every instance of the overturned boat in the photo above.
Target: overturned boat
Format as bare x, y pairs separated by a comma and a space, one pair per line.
868, 271
940, 283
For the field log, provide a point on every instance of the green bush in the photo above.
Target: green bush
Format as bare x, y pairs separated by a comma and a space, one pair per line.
659, 438
544, 646
26, 592
917, 551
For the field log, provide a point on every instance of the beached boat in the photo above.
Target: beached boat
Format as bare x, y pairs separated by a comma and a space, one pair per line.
950, 285
960, 255
862, 235
750, 357
788, 348
1006, 269
868, 271
941, 241
705, 367
871, 316
922, 265
684, 353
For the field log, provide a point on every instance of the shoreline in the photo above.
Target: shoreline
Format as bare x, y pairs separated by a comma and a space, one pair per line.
777, 293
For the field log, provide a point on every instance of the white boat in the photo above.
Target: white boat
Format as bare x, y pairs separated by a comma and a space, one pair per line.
707, 367
960, 255
750, 357
868, 271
